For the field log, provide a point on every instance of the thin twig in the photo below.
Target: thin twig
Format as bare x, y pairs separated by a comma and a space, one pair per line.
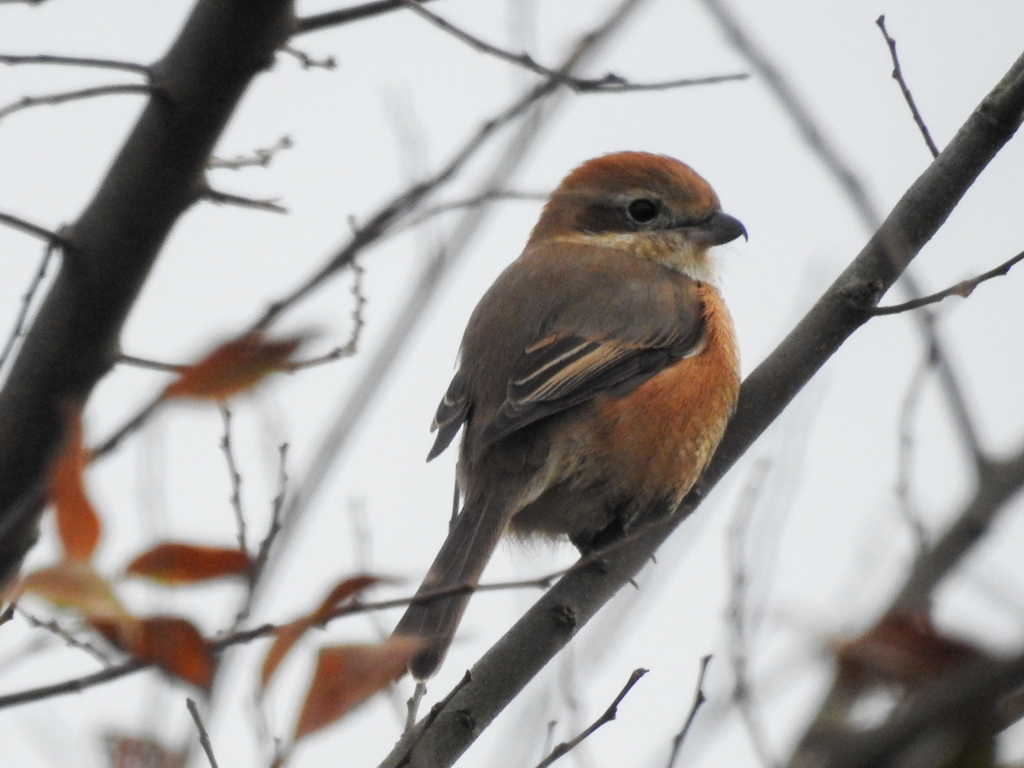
897, 75
307, 61
76, 61
26, 304
904, 488
609, 83
698, 701
737, 610
235, 477
412, 706
155, 365
25, 102
51, 238
226, 198
470, 202
259, 158
126, 429
609, 714
68, 636
263, 553
963, 289
204, 737
346, 15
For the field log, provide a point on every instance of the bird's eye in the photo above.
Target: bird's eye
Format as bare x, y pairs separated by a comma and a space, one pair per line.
642, 210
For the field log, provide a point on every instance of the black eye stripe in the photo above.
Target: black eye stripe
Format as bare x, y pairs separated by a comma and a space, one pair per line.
642, 210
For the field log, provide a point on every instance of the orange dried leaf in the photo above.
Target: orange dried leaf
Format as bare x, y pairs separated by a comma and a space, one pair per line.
289, 634
234, 367
177, 563
284, 639
347, 675
341, 592
77, 522
170, 643
74, 584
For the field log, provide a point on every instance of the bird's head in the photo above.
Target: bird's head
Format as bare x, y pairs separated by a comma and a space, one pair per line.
653, 206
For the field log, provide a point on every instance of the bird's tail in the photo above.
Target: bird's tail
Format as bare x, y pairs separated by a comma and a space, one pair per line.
460, 562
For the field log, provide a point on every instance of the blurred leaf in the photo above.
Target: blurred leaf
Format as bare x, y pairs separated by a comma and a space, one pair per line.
347, 675
234, 367
74, 584
172, 643
77, 522
289, 634
177, 563
901, 648
135, 752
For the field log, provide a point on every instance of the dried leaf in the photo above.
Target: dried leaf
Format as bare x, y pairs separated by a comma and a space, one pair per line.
77, 522
234, 367
178, 563
74, 584
289, 634
347, 675
125, 751
901, 648
173, 644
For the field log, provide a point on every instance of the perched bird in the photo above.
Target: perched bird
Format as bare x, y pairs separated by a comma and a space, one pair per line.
596, 376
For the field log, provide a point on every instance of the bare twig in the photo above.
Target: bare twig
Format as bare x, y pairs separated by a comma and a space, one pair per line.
51, 238
737, 611
259, 158
609, 714
259, 563
610, 82
155, 365
76, 61
698, 701
897, 75
413, 705
25, 102
68, 636
856, 193
226, 198
235, 477
307, 61
26, 304
963, 289
346, 15
469, 202
126, 429
204, 737
903, 488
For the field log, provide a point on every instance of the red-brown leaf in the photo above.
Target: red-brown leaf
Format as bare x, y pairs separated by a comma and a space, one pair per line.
77, 522
170, 643
347, 675
178, 563
234, 367
289, 634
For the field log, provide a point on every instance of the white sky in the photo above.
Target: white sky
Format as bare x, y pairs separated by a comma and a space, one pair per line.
827, 544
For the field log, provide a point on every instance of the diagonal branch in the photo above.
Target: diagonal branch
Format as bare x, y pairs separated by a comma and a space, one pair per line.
897, 75
346, 15
552, 621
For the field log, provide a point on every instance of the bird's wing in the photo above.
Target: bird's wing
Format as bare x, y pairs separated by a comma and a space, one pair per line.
451, 413
565, 369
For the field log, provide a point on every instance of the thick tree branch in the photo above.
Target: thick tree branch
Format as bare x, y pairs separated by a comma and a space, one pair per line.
552, 622
152, 181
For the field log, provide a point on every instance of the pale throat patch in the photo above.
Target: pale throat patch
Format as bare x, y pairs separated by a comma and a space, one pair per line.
668, 247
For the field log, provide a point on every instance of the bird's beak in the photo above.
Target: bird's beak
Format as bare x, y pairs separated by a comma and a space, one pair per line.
720, 228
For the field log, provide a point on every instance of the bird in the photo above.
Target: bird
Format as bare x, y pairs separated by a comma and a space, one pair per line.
595, 380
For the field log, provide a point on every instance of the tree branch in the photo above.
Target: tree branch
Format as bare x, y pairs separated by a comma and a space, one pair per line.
50, 99
609, 714
897, 75
552, 622
963, 289
346, 15
76, 61
151, 182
